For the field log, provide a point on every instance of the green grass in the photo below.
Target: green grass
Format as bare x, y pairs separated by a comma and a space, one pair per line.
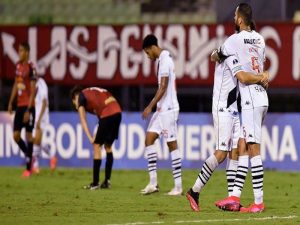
58, 199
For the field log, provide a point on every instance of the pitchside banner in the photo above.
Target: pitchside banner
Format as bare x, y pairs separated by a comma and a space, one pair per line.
280, 145
112, 55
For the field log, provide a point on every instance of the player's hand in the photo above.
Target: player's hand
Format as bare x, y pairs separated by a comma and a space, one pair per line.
26, 117
146, 112
214, 56
38, 125
265, 79
91, 139
10, 108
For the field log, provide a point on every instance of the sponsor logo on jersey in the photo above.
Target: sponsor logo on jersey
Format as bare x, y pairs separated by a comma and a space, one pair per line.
252, 41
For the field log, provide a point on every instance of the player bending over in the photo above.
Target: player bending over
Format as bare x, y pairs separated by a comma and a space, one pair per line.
24, 90
100, 102
164, 120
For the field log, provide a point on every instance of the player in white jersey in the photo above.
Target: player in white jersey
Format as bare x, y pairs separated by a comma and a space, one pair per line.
226, 120
249, 47
164, 120
42, 120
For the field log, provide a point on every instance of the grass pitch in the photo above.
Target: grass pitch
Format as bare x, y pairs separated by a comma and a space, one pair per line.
58, 198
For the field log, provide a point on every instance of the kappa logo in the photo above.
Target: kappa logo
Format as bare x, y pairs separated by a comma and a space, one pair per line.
235, 61
221, 110
247, 103
223, 144
250, 135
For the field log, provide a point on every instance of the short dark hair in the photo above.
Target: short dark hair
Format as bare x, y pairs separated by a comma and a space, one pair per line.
26, 46
75, 90
149, 40
245, 11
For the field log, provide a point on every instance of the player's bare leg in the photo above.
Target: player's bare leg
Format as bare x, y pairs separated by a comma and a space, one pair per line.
96, 168
210, 164
232, 203
151, 153
257, 179
108, 166
36, 151
176, 168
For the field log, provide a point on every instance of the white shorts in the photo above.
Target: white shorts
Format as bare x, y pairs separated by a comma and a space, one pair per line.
165, 124
227, 130
252, 120
44, 123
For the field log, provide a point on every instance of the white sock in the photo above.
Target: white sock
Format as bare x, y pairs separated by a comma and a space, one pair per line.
241, 175
176, 167
152, 160
231, 170
47, 150
207, 169
35, 156
257, 171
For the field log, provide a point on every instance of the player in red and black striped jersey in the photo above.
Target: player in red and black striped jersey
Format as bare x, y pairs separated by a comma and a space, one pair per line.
24, 90
100, 102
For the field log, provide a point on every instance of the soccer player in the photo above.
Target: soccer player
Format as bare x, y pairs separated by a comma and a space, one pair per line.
100, 102
249, 46
42, 119
225, 117
24, 90
164, 120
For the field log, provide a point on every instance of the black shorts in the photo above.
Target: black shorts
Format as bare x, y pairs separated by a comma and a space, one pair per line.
18, 120
108, 129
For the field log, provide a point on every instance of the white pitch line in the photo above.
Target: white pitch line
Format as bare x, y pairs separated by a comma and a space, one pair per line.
210, 220
233, 220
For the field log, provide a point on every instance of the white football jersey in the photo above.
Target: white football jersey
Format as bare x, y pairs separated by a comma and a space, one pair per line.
249, 48
225, 85
41, 94
166, 69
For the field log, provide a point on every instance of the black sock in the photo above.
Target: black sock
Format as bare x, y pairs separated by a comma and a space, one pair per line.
108, 165
29, 156
96, 171
22, 146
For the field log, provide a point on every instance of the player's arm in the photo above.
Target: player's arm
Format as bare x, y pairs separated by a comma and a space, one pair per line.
159, 93
31, 100
32, 93
12, 96
245, 77
82, 116
217, 56
250, 78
